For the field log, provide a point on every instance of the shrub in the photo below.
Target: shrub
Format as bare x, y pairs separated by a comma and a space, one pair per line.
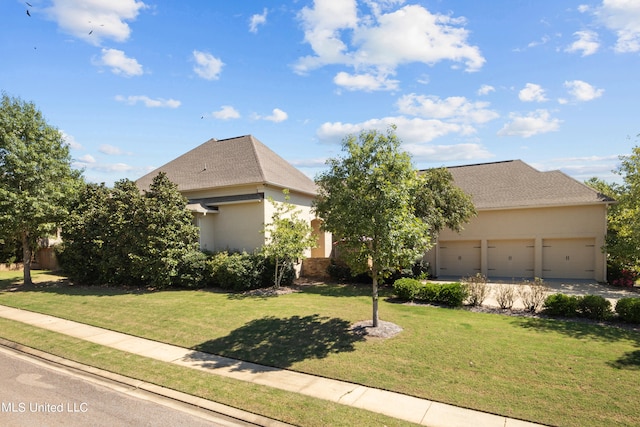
626, 279
561, 305
532, 294
594, 307
505, 295
340, 272
451, 294
406, 288
429, 292
629, 309
476, 288
236, 271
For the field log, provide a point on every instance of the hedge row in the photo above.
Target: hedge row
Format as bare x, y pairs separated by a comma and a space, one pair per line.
242, 271
592, 307
449, 294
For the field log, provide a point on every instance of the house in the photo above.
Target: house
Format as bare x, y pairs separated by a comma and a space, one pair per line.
228, 183
529, 224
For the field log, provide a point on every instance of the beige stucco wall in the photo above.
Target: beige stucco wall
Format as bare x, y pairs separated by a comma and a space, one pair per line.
238, 226
536, 224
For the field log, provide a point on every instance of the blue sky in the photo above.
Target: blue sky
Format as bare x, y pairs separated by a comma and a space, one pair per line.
134, 84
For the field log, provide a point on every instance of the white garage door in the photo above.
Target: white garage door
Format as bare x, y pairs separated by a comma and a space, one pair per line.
512, 259
568, 258
459, 258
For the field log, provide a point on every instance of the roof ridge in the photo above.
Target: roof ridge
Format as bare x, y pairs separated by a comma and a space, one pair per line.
253, 141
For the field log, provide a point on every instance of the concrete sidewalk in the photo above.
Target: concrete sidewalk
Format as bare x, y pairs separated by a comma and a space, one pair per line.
409, 408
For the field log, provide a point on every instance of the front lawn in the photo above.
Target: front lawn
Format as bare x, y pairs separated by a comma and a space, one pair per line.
547, 371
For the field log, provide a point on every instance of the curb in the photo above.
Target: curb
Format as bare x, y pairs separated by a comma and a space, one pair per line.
197, 403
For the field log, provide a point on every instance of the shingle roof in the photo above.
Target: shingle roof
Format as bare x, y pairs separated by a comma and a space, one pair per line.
227, 162
515, 184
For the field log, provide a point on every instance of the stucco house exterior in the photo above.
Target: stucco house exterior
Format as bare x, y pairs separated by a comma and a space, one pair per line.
228, 182
529, 224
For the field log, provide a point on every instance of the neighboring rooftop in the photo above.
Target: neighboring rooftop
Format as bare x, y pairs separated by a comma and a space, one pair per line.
228, 162
514, 183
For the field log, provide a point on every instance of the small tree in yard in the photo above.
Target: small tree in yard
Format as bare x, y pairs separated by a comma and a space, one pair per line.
288, 237
384, 212
36, 178
365, 199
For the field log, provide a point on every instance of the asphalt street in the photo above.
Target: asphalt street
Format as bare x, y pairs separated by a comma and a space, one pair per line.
37, 393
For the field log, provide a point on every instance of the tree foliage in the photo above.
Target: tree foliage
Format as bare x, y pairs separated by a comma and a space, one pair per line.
380, 209
623, 231
36, 177
288, 236
125, 237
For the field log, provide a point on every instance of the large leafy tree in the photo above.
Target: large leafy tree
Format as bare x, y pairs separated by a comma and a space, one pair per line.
122, 236
288, 236
623, 221
36, 178
381, 209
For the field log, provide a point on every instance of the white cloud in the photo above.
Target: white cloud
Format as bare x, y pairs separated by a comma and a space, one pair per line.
87, 158
454, 108
207, 66
110, 150
587, 42
277, 116
148, 102
226, 112
322, 26
257, 20
623, 18
486, 89
95, 20
416, 134
582, 91
534, 123
532, 93
119, 63
446, 153
71, 141
410, 130
375, 45
365, 82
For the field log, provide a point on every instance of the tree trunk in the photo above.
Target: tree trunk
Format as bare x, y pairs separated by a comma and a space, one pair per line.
26, 258
374, 296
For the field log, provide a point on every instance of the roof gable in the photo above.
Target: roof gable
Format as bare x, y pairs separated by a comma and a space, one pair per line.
515, 184
229, 162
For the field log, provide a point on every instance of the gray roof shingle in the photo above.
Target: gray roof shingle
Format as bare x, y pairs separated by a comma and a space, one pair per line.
228, 162
515, 184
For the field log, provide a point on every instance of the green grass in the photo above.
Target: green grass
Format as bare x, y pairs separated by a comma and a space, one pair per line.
547, 371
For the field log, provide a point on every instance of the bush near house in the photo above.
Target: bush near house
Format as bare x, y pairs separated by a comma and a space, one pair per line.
477, 289
449, 294
594, 307
241, 271
629, 309
561, 305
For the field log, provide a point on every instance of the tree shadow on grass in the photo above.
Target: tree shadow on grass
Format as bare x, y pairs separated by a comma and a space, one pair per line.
575, 328
281, 342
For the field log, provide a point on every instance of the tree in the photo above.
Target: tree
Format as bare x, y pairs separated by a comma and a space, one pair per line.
121, 236
36, 178
288, 237
170, 239
366, 200
440, 203
623, 219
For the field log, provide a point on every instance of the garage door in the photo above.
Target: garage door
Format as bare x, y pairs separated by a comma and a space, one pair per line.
568, 258
513, 259
459, 258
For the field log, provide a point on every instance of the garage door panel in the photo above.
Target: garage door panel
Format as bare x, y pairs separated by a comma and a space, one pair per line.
568, 258
510, 258
459, 258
